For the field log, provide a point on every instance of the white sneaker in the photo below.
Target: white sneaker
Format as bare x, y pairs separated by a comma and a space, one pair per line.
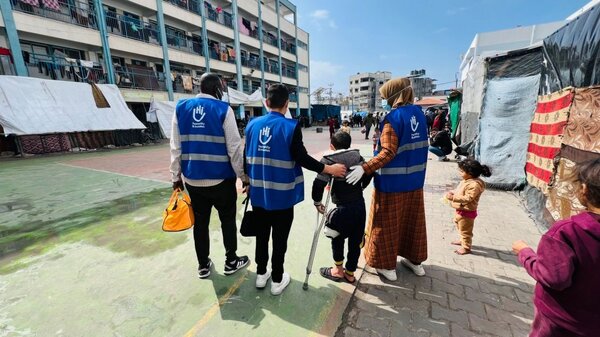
416, 268
389, 274
261, 280
277, 288
330, 233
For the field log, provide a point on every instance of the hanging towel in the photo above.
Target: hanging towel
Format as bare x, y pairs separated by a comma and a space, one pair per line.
87, 64
243, 29
231, 52
51, 4
188, 85
70, 60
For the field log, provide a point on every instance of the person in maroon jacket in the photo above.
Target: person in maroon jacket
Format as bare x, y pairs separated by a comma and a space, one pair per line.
567, 267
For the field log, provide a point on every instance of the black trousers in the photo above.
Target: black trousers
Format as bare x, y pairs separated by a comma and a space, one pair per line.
349, 220
278, 222
223, 197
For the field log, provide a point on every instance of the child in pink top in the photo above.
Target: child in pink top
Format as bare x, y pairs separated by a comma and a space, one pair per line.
566, 267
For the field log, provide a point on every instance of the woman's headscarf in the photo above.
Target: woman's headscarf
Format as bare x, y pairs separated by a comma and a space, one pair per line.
398, 92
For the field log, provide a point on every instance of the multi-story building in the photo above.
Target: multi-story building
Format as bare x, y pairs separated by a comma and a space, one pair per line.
422, 86
364, 90
155, 49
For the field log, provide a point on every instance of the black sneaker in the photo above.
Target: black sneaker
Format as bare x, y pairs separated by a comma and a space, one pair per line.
204, 271
235, 265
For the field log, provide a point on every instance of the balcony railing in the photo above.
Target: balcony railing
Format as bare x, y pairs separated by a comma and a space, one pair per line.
132, 28
253, 63
133, 77
185, 43
189, 5
218, 15
76, 12
58, 68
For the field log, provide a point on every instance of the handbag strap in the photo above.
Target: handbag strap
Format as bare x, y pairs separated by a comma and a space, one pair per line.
246, 201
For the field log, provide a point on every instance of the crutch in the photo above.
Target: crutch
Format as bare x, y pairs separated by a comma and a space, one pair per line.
318, 226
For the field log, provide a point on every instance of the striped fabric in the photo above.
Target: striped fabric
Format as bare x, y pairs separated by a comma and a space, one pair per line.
35, 3
545, 140
51, 4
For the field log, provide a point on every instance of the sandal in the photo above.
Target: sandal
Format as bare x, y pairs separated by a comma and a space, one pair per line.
462, 251
326, 273
348, 280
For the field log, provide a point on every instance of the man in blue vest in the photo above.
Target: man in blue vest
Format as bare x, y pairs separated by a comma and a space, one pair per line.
207, 153
275, 155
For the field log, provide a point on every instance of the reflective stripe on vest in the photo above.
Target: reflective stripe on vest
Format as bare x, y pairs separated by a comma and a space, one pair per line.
204, 157
412, 146
276, 186
401, 170
203, 138
271, 162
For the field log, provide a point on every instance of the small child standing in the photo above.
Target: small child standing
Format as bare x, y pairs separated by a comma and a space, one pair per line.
347, 220
345, 127
376, 135
465, 199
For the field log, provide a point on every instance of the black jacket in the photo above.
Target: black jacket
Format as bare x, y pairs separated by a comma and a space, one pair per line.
342, 192
442, 140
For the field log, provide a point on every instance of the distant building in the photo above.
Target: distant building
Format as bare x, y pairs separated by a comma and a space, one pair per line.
364, 90
422, 86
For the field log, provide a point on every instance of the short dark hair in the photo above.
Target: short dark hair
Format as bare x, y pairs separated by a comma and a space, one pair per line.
588, 173
474, 168
341, 140
210, 83
277, 95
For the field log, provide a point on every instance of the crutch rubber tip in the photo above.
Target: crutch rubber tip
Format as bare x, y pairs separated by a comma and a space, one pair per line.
305, 286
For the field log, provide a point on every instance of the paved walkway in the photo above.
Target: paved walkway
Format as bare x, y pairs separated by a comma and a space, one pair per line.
483, 294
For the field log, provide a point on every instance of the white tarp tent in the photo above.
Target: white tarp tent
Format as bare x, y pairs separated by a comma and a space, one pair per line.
163, 112
32, 106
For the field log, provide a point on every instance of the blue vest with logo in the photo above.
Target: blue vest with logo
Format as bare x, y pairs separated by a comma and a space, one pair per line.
203, 149
406, 172
276, 180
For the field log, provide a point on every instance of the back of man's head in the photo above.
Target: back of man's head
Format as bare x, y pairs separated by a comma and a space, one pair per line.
277, 96
341, 140
210, 84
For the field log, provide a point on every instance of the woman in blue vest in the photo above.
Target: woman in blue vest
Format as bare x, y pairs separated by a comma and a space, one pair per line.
397, 218
275, 155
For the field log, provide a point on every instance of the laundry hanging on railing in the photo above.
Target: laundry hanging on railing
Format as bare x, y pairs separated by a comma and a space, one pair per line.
51, 4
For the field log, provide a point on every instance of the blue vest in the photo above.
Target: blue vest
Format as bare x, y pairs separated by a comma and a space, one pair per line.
406, 172
276, 180
203, 149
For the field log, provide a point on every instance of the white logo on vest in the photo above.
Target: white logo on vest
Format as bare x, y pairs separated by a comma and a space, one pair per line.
198, 115
264, 137
414, 125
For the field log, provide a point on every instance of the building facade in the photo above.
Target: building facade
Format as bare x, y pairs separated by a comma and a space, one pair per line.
422, 86
158, 49
364, 90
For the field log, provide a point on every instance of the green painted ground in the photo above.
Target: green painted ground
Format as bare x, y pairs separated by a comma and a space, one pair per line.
82, 254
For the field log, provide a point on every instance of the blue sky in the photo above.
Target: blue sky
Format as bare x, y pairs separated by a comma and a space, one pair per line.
350, 36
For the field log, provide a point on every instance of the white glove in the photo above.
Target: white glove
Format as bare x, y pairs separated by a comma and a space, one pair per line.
356, 173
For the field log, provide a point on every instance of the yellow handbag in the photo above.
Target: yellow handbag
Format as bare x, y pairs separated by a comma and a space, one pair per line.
178, 216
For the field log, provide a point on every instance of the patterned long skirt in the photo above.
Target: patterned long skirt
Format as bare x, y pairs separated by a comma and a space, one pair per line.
396, 228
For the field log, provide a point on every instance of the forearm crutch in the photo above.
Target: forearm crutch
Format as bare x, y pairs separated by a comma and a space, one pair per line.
318, 226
